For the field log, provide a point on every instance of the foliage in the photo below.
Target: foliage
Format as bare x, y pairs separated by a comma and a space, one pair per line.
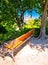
2, 29
37, 32
13, 10
12, 14
12, 34
33, 23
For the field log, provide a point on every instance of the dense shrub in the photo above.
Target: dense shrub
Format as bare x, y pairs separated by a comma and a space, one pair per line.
37, 32
2, 29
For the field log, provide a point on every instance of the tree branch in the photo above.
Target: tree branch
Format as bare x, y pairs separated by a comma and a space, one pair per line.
41, 2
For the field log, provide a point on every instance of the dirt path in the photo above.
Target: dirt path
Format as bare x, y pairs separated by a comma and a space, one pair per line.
34, 53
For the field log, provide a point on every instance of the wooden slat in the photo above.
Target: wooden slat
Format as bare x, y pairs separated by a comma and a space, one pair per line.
19, 41
26, 35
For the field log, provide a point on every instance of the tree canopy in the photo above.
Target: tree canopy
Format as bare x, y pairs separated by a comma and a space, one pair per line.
13, 10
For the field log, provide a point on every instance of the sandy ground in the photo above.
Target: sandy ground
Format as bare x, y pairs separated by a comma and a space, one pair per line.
29, 55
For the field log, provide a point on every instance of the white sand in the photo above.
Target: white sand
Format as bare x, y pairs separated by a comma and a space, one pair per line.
27, 56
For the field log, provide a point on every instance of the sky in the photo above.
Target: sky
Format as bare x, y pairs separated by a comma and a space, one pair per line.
27, 15
34, 15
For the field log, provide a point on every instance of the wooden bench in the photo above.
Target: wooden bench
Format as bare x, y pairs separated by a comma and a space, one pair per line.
19, 41
16, 45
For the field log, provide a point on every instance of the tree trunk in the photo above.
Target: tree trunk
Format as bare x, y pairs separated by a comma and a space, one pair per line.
20, 25
20, 21
43, 21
